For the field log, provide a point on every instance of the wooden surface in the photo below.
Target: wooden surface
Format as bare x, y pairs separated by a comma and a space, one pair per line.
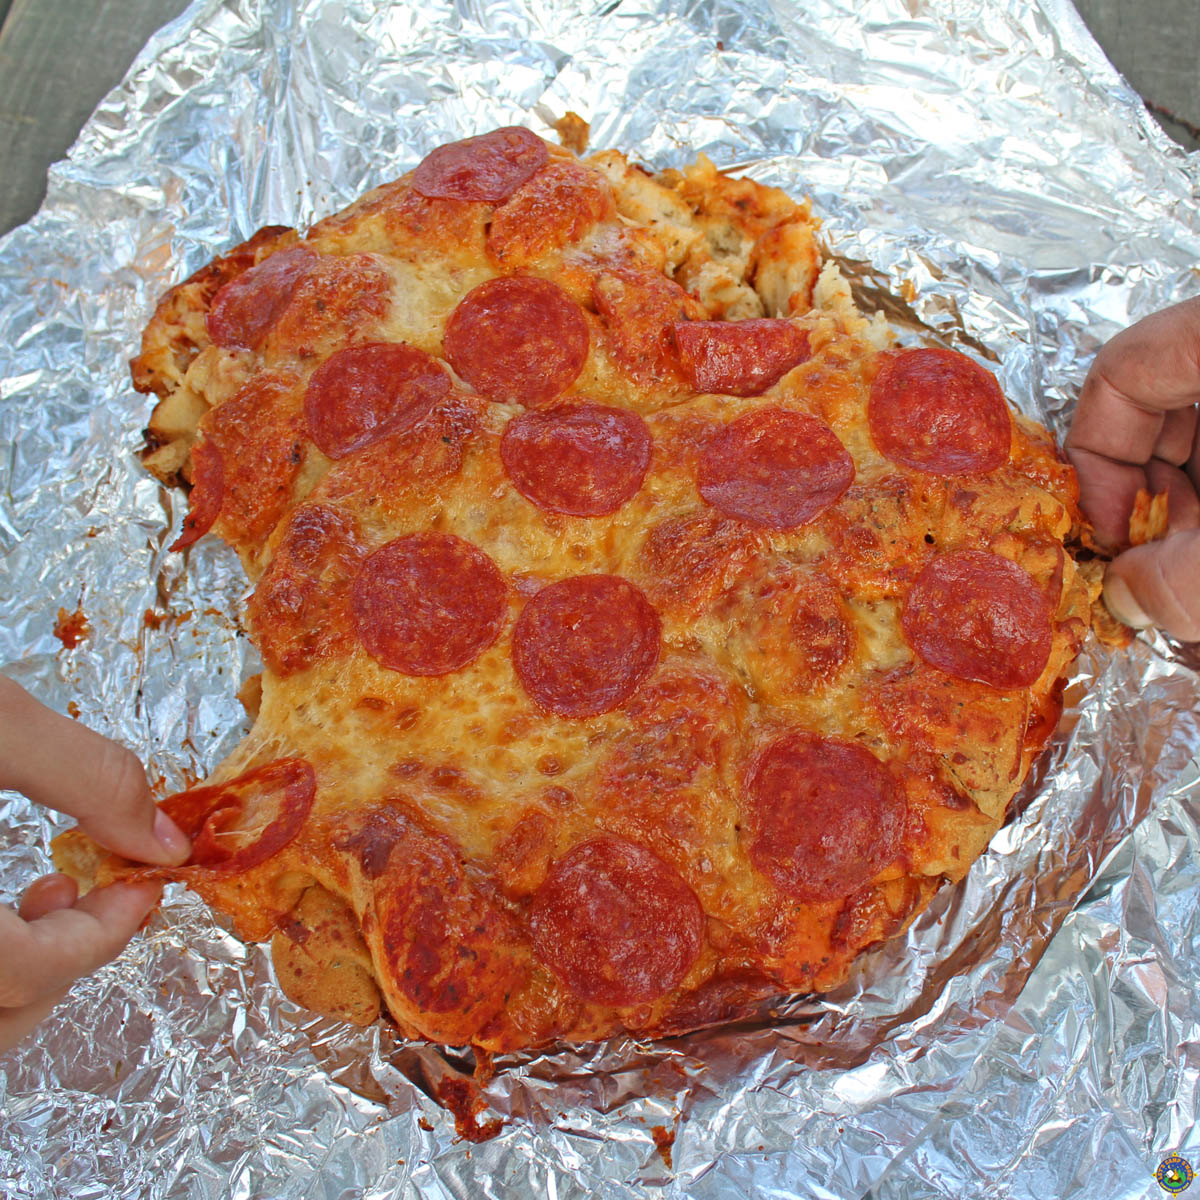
58, 58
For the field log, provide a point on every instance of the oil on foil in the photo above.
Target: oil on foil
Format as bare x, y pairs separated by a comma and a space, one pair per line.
1036, 1034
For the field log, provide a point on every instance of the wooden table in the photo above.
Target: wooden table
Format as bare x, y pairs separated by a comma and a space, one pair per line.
58, 58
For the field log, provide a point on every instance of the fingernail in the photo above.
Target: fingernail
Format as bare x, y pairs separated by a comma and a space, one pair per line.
171, 838
1119, 601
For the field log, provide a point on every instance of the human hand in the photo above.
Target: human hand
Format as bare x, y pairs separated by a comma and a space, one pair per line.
55, 936
1136, 427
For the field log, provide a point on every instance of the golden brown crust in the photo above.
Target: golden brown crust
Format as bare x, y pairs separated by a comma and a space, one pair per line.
448, 808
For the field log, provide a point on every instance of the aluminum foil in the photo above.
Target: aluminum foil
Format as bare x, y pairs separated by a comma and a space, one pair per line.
1036, 1034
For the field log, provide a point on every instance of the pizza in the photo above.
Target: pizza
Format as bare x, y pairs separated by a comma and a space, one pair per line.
644, 632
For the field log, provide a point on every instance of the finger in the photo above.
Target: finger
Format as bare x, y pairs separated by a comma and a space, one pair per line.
47, 895
1177, 436
42, 957
18, 1023
1107, 490
66, 766
1183, 506
1145, 371
1158, 584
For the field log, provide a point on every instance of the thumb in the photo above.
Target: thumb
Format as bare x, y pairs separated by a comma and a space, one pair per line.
1158, 584
66, 766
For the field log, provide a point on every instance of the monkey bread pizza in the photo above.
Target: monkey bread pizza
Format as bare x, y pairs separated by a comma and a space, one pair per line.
643, 634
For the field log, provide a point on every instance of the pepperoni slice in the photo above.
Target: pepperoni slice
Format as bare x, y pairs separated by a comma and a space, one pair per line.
244, 310
639, 308
616, 923
237, 825
774, 468
204, 500
518, 339
489, 167
363, 393
739, 358
428, 604
979, 616
260, 435
686, 562
582, 459
300, 611
342, 299
554, 209
824, 816
448, 947
940, 412
584, 645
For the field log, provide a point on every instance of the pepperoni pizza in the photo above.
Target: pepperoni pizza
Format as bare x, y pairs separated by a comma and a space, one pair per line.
644, 635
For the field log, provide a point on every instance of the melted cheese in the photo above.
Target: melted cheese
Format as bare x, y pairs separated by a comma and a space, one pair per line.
482, 789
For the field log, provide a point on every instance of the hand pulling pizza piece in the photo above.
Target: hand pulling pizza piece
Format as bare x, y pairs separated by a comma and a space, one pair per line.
643, 634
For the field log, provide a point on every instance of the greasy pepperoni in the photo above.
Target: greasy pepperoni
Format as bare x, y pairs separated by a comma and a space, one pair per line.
364, 393
237, 825
639, 309
616, 923
300, 611
260, 435
739, 358
488, 167
428, 603
585, 644
204, 500
517, 339
554, 209
979, 616
581, 459
774, 468
686, 562
824, 816
940, 412
244, 310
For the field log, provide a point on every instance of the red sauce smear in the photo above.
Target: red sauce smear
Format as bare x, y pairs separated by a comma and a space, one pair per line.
71, 628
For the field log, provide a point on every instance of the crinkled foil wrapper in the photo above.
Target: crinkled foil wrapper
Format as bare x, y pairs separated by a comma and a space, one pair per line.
1036, 1033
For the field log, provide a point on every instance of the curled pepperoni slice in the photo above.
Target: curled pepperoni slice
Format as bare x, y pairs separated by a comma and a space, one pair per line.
979, 616
940, 412
244, 310
739, 358
428, 604
580, 459
204, 500
824, 816
584, 645
616, 923
518, 339
237, 825
489, 167
364, 393
774, 468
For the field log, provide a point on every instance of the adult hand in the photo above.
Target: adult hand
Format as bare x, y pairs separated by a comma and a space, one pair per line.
55, 936
1136, 427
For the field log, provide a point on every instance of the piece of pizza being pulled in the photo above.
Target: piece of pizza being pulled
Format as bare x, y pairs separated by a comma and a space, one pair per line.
643, 634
